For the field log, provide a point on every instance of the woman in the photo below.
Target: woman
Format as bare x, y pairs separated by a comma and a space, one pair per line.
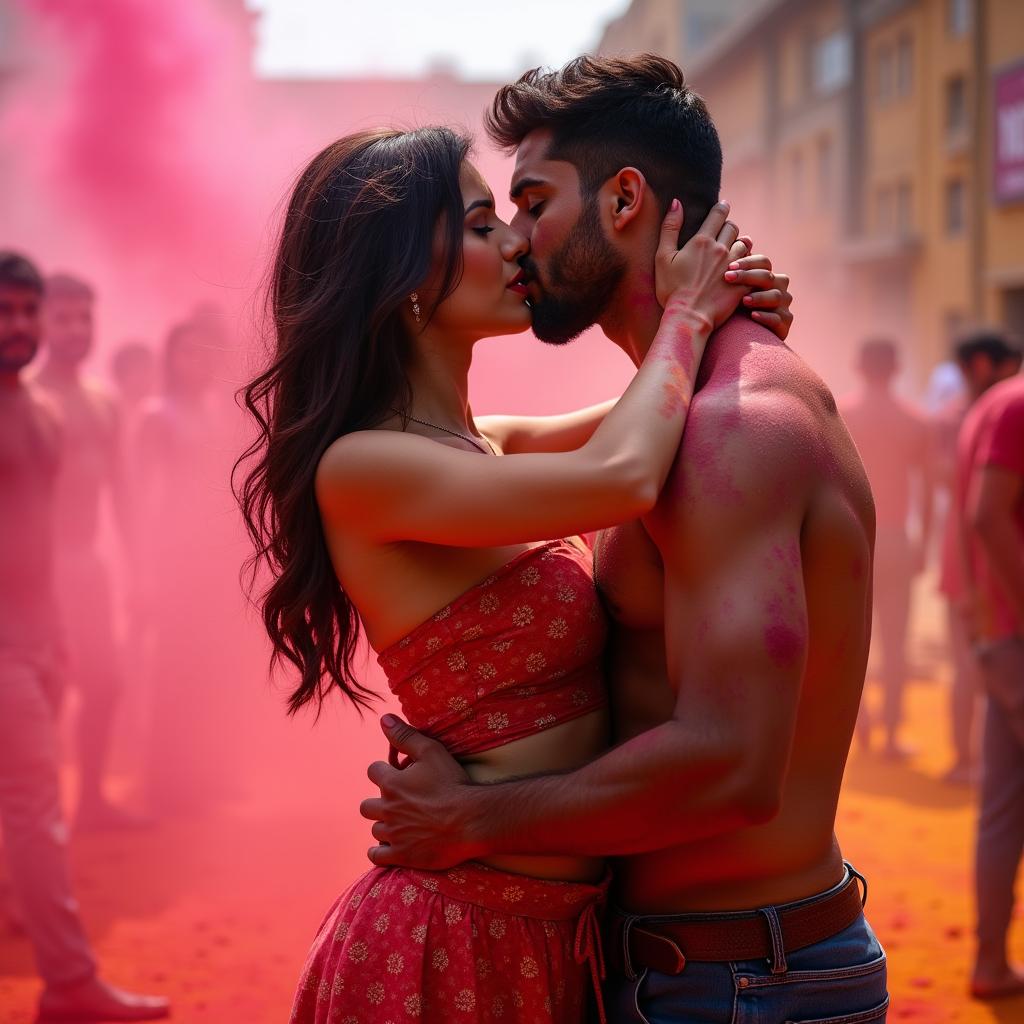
378, 503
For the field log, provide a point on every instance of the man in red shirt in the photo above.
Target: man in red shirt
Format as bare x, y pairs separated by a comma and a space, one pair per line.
990, 497
984, 358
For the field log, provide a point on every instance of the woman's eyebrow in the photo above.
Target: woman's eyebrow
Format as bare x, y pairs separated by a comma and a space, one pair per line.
489, 203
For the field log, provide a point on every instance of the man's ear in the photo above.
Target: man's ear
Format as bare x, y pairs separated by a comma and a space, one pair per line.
625, 195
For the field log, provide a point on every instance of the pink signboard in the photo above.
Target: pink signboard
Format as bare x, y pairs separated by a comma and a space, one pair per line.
1008, 91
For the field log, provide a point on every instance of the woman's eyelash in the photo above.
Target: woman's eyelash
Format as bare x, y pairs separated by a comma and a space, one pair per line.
483, 231
534, 210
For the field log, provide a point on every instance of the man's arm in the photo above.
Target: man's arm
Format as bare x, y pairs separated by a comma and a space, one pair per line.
997, 495
736, 628
927, 473
994, 499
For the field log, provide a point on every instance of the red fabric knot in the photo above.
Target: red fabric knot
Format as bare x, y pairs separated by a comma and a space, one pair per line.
588, 949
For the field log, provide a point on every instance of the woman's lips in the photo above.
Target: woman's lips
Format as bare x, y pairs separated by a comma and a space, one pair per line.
518, 284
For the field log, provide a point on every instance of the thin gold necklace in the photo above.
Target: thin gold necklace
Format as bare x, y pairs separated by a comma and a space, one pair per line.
454, 433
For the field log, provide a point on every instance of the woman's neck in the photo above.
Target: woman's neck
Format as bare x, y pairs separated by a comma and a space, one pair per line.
439, 379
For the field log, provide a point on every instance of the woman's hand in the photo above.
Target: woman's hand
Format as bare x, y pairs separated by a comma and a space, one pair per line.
769, 300
695, 275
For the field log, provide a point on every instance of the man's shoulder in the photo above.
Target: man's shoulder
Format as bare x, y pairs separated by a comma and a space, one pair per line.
45, 402
1005, 398
769, 385
1003, 401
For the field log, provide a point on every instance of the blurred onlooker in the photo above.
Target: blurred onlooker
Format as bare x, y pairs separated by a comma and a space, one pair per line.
133, 370
91, 471
983, 358
186, 587
990, 496
893, 440
35, 837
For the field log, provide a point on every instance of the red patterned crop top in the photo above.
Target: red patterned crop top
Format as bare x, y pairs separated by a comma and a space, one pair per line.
514, 655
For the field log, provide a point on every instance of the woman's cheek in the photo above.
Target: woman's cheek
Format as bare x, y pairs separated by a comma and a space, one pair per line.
481, 266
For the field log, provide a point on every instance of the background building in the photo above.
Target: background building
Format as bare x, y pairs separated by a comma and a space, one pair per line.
875, 147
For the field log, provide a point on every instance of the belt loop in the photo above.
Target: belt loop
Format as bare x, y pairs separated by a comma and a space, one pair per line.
778, 961
627, 926
863, 881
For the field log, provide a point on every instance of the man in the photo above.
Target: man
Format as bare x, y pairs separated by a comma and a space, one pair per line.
90, 472
34, 832
894, 441
133, 370
741, 608
990, 498
183, 588
984, 358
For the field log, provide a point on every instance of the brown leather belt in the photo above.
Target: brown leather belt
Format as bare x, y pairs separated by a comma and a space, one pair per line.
666, 946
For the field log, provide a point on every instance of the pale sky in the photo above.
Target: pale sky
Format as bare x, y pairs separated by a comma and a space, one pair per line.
404, 38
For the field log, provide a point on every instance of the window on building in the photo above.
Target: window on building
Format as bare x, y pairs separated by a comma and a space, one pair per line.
958, 17
826, 172
831, 63
904, 65
904, 209
956, 207
884, 73
956, 106
884, 219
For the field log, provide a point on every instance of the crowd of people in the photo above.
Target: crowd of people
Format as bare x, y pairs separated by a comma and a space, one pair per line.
948, 483
114, 508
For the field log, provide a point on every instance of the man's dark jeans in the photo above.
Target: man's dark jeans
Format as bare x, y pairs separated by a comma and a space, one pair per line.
841, 980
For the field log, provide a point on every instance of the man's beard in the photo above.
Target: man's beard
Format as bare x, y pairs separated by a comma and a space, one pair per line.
18, 353
584, 274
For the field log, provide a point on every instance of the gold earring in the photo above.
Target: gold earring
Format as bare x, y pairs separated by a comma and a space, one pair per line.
415, 306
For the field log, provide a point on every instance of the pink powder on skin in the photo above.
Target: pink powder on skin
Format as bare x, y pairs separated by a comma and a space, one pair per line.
679, 387
676, 400
784, 644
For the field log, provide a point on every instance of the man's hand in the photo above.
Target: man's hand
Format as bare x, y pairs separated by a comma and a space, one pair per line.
419, 818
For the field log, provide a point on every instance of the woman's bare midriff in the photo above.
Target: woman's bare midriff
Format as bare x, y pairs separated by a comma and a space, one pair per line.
559, 749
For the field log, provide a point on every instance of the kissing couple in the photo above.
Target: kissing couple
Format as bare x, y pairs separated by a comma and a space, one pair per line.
615, 794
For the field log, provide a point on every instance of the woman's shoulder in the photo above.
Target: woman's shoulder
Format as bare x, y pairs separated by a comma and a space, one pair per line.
361, 449
366, 460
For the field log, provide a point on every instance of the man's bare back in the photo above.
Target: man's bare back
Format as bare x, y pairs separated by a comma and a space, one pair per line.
768, 563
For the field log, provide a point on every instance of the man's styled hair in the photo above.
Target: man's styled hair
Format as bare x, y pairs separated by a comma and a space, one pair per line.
67, 286
17, 271
606, 113
987, 342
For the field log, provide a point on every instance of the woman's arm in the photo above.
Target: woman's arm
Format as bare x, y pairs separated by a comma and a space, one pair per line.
768, 303
516, 435
391, 486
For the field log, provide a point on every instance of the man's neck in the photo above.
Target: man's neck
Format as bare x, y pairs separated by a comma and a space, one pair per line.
633, 316
11, 382
57, 373
878, 391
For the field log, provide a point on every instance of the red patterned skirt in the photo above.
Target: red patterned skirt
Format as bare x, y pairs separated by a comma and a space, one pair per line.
465, 945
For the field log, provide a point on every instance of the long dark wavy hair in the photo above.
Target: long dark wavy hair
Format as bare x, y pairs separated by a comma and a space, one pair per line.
358, 237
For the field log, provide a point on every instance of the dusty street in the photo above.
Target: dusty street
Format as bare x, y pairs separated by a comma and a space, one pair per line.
217, 914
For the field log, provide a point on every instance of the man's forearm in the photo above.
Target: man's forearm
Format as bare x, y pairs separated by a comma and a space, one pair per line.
1001, 542
656, 790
